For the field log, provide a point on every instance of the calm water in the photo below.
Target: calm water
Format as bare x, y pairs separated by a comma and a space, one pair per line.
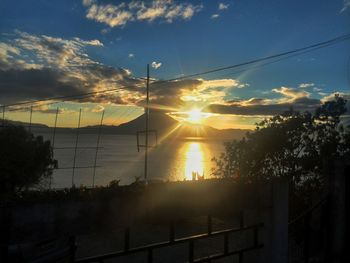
118, 159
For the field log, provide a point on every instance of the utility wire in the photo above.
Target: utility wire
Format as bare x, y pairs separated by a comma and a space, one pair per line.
298, 51
320, 44
71, 97
275, 61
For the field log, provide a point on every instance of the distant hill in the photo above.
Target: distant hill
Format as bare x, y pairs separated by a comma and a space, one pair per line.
26, 124
159, 121
165, 124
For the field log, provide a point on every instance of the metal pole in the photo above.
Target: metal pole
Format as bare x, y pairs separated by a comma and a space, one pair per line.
3, 115
30, 118
53, 141
97, 145
147, 118
75, 148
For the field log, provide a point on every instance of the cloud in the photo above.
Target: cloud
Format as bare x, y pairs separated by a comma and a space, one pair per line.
38, 67
88, 2
306, 85
119, 15
105, 31
112, 15
98, 108
346, 5
223, 6
291, 93
156, 65
291, 98
53, 51
262, 107
188, 91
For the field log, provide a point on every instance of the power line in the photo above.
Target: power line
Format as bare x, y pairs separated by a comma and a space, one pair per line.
71, 97
274, 61
295, 52
320, 45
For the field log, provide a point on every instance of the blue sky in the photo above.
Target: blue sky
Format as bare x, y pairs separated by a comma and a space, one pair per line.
182, 37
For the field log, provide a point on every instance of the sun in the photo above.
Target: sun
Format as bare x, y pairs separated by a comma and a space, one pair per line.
195, 116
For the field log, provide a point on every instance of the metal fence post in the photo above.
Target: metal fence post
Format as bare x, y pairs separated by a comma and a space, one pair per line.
171, 232
127, 239
30, 118
279, 221
273, 198
209, 225
241, 225
191, 251
307, 237
150, 255
72, 249
226, 243
97, 146
75, 148
3, 115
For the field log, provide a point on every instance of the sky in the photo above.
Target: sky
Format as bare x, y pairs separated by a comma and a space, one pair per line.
62, 48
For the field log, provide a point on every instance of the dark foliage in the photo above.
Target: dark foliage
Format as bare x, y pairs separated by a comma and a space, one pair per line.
25, 160
296, 145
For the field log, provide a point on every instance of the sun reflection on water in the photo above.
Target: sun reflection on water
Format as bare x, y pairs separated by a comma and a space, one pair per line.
194, 160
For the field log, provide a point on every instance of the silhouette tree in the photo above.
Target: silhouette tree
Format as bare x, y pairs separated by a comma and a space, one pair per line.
292, 144
24, 159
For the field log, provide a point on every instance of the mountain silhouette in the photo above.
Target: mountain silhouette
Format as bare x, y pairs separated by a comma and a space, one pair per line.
158, 120
166, 125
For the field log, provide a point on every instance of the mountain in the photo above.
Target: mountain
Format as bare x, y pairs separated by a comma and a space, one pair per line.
166, 125
25, 124
159, 121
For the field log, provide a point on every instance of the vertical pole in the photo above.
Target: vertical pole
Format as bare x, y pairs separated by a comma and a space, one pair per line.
5, 230
53, 141
337, 227
209, 221
75, 148
171, 232
240, 257
97, 145
226, 243
256, 237
126, 238
241, 225
191, 251
150, 255
30, 118
138, 142
147, 117
273, 209
72, 248
3, 115
279, 221
307, 237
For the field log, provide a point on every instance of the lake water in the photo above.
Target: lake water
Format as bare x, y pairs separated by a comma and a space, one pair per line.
118, 159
